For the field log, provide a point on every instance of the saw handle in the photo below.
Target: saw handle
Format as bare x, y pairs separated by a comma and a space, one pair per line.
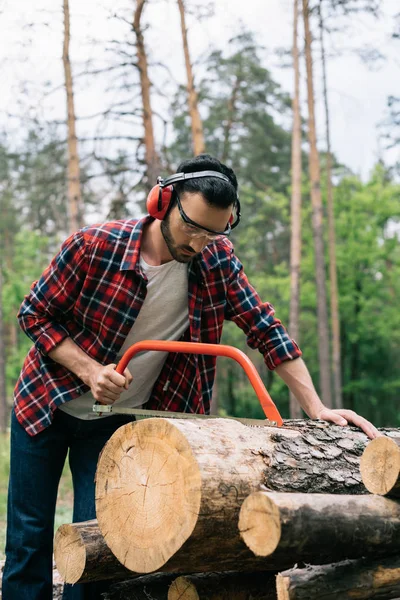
267, 404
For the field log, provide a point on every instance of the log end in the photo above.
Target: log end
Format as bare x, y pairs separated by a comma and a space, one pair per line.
148, 493
69, 553
380, 465
259, 524
182, 589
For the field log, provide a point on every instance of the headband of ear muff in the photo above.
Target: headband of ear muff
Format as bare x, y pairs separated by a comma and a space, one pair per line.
160, 196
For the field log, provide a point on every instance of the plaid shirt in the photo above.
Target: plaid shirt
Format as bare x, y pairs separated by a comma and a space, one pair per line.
92, 292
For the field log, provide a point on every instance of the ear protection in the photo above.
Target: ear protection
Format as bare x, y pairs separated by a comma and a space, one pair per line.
160, 196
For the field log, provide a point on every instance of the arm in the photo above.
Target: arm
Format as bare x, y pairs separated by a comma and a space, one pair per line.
296, 376
266, 333
43, 312
105, 383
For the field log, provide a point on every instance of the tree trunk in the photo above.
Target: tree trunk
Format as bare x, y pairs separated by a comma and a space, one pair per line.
380, 467
317, 222
230, 119
334, 293
193, 476
151, 156
347, 580
296, 527
295, 240
197, 127
82, 555
3, 391
224, 586
74, 187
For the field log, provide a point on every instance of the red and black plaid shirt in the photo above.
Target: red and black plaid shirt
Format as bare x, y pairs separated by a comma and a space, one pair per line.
92, 292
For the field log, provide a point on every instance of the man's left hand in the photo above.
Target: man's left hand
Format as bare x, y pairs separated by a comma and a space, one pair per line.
342, 416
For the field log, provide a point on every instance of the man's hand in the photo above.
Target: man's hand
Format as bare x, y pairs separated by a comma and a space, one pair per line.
106, 384
342, 416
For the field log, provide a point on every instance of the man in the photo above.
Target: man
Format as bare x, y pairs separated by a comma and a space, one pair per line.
172, 275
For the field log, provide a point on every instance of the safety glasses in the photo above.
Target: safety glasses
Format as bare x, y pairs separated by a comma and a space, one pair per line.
193, 229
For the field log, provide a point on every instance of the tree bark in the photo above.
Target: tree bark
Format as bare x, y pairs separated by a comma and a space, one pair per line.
197, 127
74, 187
334, 293
148, 587
295, 240
224, 586
317, 223
296, 527
192, 477
230, 118
380, 466
347, 580
151, 156
81, 554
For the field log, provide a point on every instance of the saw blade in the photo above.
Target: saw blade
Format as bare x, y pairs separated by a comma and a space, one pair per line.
142, 412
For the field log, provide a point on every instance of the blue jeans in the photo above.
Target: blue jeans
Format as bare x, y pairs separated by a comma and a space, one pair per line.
35, 470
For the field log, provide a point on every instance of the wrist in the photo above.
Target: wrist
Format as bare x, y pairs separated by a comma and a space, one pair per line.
86, 370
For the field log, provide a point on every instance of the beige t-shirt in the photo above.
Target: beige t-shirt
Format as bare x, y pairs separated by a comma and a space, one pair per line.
164, 316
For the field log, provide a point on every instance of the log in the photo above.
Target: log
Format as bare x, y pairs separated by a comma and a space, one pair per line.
380, 466
348, 580
226, 586
81, 555
319, 527
164, 485
146, 587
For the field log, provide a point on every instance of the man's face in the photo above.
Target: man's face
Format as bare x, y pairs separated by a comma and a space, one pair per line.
184, 240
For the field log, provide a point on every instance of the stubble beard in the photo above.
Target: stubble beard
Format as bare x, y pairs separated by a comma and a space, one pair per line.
172, 247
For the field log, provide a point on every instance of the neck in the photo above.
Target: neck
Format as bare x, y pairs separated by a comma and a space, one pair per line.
153, 247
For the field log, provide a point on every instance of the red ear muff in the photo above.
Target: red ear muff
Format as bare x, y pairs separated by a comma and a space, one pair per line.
159, 200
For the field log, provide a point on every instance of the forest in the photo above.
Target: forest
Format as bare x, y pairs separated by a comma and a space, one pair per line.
318, 240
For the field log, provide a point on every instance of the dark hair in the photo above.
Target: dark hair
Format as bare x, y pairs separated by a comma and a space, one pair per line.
216, 191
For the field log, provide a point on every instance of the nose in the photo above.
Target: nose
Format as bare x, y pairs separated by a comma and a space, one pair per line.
198, 244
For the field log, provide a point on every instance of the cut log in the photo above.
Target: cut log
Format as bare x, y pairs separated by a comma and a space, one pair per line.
380, 466
81, 555
319, 527
348, 580
160, 482
227, 586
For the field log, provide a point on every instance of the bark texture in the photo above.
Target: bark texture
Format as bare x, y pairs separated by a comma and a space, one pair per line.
81, 554
148, 587
226, 586
347, 580
195, 119
319, 527
74, 187
317, 224
295, 211
151, 156
380, 466
192, 477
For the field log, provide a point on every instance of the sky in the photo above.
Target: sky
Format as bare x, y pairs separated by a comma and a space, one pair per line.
31, 48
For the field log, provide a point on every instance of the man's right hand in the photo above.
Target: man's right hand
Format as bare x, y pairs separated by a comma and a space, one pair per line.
106, 384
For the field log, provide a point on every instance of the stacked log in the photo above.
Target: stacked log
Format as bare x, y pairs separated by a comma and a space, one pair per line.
301, 527
183, 496
348, 580
192, 478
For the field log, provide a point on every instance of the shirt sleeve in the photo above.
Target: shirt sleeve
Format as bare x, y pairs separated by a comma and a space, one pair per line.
257, 319
52, 297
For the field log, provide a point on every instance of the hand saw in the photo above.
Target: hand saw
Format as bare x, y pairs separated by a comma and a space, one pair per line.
273, 417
